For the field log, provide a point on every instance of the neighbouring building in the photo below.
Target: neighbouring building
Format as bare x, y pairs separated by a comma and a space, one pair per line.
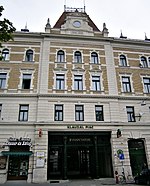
74, 102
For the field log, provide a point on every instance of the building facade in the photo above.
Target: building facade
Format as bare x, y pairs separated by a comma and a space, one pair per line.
74, 103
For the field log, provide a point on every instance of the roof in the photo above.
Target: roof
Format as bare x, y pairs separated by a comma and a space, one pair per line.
62, 19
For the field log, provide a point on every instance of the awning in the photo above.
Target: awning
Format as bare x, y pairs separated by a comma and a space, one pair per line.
10, 153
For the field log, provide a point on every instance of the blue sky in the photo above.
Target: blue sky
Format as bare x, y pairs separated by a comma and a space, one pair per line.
130, 16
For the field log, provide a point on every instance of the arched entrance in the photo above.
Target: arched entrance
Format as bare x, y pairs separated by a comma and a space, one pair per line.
137, 155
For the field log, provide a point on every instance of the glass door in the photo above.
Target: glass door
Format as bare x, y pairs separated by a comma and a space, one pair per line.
78, 162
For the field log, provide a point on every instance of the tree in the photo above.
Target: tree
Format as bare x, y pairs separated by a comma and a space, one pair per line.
6, 29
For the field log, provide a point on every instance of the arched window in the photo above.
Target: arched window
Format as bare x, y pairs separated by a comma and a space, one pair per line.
144, 63
77, 57
123, 60
29, 55
5, 54
60, 56
94, 58
149, 61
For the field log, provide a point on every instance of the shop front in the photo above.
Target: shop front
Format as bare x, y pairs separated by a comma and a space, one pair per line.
18, 158
79, 155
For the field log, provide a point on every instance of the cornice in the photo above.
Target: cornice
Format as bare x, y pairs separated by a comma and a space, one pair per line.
96, 38
83, 96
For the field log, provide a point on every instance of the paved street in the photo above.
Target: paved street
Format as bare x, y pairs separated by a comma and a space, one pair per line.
66, 183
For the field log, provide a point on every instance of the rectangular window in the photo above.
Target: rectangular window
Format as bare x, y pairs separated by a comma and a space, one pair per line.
60, 80
58, 113
79, 113
99, 113
0, 110
78, 82
26, 81
146, 85
23, 112
130, 114
96, 83
126, 84
3, 80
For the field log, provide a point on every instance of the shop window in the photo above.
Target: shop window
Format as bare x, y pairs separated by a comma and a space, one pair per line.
78, 82
79, 113
77, 57
99, 113
94, 58
123, 60
23, 112
29, 55
130, 114
146, 82
3, 77
26, 81
58, 113
60, 56
96, 83
60, 81
5, 54
126, 84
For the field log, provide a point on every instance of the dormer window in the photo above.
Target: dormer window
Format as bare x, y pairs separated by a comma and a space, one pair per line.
77, 57
94, 58
143, 62
5, 54
123, 60
29, 55
60, 56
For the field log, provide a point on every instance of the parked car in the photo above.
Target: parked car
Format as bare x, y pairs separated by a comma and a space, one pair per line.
143, 177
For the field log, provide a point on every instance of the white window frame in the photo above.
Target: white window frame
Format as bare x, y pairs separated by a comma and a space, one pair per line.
25, 116
131, 82
142, 65
3, 71
146, 90
74, 60
6, 57
24, 58
78, 85
98, 59
122, 64
56, 60
28, 72
96, 85
60, 82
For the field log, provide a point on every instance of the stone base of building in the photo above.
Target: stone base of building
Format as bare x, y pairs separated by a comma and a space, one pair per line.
39, 175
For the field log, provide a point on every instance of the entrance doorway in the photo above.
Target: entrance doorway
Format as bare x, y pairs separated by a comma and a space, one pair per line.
137, 155
79, 155
79, 162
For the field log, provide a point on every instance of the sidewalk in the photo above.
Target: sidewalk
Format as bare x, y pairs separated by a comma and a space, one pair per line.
101, 181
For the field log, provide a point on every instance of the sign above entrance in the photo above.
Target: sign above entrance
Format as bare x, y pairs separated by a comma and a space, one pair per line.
18, 142
80, 127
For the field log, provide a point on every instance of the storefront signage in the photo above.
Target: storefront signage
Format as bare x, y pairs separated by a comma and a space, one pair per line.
80, 127
18, 142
